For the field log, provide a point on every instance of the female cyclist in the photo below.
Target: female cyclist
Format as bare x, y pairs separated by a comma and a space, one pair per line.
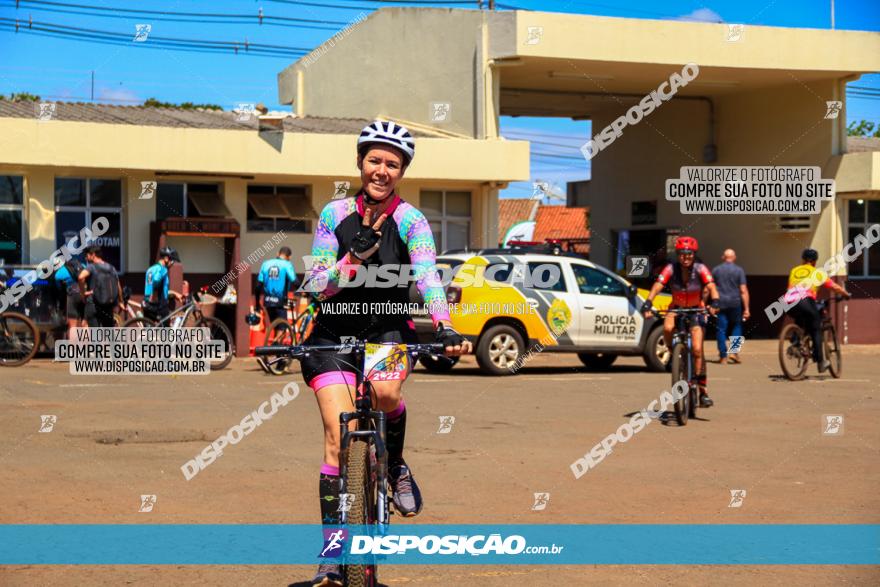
375, 227
687, 279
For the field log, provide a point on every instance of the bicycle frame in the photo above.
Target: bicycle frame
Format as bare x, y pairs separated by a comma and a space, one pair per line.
188, 309
370, 424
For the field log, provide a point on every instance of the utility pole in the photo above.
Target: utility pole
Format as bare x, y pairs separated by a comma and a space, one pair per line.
832, 15
93, 85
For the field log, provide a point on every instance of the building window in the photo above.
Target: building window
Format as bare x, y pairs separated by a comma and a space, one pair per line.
279, 207
11, 219
189, 200
862, 214
449, 214
78, 202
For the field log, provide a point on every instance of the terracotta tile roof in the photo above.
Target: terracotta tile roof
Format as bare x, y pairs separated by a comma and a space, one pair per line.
179, 117
511, 211
561, 222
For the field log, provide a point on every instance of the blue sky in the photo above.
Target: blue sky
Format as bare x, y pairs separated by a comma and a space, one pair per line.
128, 73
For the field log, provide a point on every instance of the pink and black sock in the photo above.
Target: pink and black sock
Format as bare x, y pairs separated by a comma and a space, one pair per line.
395, 430
328, 490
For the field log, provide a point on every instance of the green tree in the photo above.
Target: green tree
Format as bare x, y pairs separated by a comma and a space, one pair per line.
862, 128
21, 97
154, 103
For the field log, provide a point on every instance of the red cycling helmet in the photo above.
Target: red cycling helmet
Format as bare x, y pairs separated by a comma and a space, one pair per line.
686, 243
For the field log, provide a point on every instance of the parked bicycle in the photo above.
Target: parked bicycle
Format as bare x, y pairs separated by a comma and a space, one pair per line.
19, 339
292, 330
796, 346
682, 362
132, 308
363, 459
189, 314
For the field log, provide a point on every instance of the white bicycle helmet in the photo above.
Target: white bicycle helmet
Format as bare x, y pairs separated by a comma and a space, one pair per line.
389, 133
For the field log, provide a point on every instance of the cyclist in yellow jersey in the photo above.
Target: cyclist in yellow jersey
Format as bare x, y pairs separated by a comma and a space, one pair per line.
803, 285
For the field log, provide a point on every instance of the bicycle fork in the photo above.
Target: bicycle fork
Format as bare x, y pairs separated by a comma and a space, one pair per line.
381, 515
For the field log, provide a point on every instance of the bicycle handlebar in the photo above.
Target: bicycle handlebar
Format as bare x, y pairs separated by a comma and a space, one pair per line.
299, 351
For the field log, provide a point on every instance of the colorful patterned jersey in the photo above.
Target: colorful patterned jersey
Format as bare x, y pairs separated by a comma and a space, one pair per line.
406, 253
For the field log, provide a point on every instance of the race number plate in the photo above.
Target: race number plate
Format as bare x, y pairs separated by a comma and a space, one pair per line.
386, 362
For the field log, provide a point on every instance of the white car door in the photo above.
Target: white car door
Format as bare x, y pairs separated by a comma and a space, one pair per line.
608, 317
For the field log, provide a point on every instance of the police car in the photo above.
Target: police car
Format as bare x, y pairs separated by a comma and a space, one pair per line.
513, 304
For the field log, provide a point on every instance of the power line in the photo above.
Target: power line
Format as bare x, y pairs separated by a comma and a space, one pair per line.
107, 37
170, 16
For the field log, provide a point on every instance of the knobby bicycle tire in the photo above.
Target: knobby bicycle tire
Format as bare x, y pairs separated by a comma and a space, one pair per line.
832, 351
27, 344
679, 372
789, 351
218, 327
358, 484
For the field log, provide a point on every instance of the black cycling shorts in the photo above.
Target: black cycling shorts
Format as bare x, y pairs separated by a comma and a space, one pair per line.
276, 312
322, 369
76, 307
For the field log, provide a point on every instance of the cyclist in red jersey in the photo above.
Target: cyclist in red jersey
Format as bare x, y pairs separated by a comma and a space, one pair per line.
687, 279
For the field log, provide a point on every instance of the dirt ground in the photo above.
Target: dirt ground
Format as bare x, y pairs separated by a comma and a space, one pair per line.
119, 437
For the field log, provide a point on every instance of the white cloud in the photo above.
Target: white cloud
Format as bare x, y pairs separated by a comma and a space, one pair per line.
702, 15
120, 94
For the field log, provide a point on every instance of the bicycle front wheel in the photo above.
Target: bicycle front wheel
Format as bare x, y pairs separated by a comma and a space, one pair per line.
19, 339
794, 352
280, 333
679, 373
220, 332
832, 351
361, 484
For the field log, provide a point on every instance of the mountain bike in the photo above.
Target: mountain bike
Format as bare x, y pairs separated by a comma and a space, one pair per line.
363, 459
190, 314
682, 362
19, 339
796, 346
289, 331
132, 308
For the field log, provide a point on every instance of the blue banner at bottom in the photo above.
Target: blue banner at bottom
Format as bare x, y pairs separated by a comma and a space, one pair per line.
410, 544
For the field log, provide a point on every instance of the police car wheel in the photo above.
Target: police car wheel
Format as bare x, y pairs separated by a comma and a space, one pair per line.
657, 355
498, 350
597, 361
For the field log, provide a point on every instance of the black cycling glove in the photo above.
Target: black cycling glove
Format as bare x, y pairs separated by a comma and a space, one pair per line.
365, 242
647, 306
448, 336
715, 304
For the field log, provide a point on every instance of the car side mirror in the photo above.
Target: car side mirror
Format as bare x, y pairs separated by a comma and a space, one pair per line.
632, 290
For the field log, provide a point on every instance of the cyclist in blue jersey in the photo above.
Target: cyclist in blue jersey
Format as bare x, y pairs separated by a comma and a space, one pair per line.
276, 278
156, 292
66, 279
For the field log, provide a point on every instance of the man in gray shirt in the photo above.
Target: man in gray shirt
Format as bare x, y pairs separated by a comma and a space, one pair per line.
730, 279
